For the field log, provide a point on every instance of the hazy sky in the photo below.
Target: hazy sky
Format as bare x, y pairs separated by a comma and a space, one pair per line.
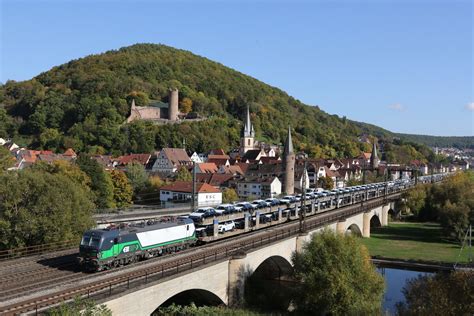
405, 65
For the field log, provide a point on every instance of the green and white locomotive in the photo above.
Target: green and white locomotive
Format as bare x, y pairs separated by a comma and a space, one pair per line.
111, 247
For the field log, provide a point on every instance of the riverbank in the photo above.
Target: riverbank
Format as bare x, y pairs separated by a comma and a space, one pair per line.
414, 241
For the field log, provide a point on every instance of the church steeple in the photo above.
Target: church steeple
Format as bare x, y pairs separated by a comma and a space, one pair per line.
374, 159
247, 141
248, 127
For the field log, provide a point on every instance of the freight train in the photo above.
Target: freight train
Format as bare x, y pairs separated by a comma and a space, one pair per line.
102, 249
108, 248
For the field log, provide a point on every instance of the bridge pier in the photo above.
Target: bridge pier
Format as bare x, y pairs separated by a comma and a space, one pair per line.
237, 277
366, 224
341, 227
300, 240
385, 210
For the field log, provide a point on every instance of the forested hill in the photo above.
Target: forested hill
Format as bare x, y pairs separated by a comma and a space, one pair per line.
83, 104
440, 141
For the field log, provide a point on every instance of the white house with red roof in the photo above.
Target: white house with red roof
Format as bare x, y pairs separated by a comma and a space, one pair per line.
181, 191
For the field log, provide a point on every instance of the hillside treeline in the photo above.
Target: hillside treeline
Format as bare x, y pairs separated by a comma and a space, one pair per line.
83, 104
451, 203
460, 142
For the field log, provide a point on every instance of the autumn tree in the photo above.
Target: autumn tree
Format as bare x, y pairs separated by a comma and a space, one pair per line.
335, 277
137, 176
186, 105
141, 98
38, 207
326, 183
439, 294
123, 191
101, 182
6, 159
184, 175
415, 199
79, 306
229, 195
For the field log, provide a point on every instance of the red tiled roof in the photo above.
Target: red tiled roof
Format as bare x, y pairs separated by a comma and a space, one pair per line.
141, 158
187, 187
208, 167
218, 161
217, 152
70, 152
177, 156
214, 179
218, 157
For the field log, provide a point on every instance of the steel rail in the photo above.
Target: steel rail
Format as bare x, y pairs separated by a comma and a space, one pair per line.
188, 261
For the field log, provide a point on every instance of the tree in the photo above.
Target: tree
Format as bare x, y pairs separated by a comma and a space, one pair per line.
137, 175
439, 294
37, 207
6, 159
335, 276
101, 182
184, 175
353, 182
415, 199
326, 183
72, 171
229, 195
123, 191
79, 307
186, 105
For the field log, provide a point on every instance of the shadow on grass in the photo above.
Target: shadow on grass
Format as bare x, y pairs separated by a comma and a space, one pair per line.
423, 232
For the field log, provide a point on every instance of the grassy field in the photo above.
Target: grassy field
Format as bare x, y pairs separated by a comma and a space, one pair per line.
419, 241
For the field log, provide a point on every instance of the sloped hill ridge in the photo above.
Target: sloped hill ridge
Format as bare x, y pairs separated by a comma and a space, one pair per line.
83, 104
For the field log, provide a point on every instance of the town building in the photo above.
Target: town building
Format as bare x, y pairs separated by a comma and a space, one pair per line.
258, 187
169, 160
181, 191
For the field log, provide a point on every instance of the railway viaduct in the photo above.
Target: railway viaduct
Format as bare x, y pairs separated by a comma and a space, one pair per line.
222, 281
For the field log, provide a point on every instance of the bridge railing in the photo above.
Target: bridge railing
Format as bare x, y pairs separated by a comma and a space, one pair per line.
118, 284
37, 249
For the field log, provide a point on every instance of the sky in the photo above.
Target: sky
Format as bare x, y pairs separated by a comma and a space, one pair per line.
404, 65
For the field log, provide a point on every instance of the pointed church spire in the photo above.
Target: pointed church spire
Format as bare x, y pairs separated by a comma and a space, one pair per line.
248, 128
288, 143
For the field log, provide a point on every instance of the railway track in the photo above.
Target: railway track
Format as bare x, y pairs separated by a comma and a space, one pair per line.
59, 287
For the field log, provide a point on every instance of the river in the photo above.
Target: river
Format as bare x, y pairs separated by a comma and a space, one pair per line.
395, 281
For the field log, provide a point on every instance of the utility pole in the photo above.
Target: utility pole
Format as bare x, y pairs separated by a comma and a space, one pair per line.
303, 201
470, 243
193, 201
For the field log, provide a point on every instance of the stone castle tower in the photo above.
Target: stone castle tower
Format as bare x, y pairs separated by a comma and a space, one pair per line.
173, 105
374, 159
247, 141
289, 165
155, 113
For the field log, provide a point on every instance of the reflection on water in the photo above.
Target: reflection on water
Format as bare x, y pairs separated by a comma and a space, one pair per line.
395, 281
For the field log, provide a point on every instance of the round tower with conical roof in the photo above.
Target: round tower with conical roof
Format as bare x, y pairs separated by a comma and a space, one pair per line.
289, 165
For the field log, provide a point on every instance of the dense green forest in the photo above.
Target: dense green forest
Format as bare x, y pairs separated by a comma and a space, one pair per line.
445, 141
83, 104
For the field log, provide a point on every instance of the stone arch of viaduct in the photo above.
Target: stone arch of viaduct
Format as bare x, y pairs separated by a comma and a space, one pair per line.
226, 279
